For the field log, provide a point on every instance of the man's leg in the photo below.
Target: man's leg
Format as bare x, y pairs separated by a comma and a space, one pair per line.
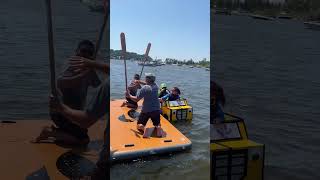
155, 117
68, 132
59, 136
142, 121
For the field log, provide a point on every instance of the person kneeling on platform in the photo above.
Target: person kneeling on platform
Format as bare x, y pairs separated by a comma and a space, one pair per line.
73, 85
150, 105
86, 118
133, 88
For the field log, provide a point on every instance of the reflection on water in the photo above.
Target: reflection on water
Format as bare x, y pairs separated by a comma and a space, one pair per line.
24, 71
270, 74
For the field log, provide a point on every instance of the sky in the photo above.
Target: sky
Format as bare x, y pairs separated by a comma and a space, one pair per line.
177, 29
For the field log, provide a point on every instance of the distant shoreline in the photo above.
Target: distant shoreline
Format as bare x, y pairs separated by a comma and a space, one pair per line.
200, 64
300, 16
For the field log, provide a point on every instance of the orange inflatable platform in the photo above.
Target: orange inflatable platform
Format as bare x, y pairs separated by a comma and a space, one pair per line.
126, 142
21, 159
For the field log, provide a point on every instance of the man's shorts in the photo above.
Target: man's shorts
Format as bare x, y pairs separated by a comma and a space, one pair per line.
130, 101
154, 115
65, 125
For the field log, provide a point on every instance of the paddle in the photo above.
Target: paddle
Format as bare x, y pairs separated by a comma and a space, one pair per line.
75, 78
123, 46
99, 39
146, 57
51, 50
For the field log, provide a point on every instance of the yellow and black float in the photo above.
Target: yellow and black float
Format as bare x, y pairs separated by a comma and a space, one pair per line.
177, 110
233, 155
127, 143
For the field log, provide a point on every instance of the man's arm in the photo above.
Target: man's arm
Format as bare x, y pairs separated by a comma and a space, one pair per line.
141, 82
165, 97
97, 109
133, 98
79, 64
81, 118
145, 90
98, 66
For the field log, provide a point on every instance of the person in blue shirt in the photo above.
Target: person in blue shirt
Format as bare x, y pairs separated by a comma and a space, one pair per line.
150, 106
173, 96
217, 117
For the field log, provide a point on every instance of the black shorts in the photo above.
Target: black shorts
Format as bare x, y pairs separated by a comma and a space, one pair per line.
65, 125
154, 115
130, 101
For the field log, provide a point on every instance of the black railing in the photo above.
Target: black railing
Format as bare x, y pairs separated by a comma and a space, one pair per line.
229, 165
181, 114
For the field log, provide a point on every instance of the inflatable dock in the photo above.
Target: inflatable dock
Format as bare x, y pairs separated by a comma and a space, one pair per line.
22, 159
126, 142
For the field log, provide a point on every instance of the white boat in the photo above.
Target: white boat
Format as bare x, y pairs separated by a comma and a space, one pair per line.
312, 25
255, 16
147, 64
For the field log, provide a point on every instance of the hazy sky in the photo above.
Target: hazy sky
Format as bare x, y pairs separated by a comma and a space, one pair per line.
176, 28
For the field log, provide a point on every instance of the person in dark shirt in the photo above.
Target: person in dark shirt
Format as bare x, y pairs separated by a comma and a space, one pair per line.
86, 118
73, 86
133, 88
173, 96
217, 103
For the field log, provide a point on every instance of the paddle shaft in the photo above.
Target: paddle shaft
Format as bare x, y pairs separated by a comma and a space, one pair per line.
51, 49
123, 46
146, 57
100, 36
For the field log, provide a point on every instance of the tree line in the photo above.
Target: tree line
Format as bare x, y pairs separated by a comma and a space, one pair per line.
204, 62
309, 8
117, 54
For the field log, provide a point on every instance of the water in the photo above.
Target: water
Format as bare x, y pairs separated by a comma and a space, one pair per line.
24, 71
270, 74
194, 85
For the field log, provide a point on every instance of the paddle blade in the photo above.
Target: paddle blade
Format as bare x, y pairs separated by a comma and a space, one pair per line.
123, 42
148, 49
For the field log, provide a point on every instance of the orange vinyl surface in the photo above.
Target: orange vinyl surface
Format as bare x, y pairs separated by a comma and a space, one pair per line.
124, 132
20, 158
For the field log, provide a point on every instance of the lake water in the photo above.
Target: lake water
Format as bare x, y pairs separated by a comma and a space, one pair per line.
24, 70
270, 74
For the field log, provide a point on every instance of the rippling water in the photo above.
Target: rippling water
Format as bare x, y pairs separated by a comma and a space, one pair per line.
270, 74
24, 71
194, 85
